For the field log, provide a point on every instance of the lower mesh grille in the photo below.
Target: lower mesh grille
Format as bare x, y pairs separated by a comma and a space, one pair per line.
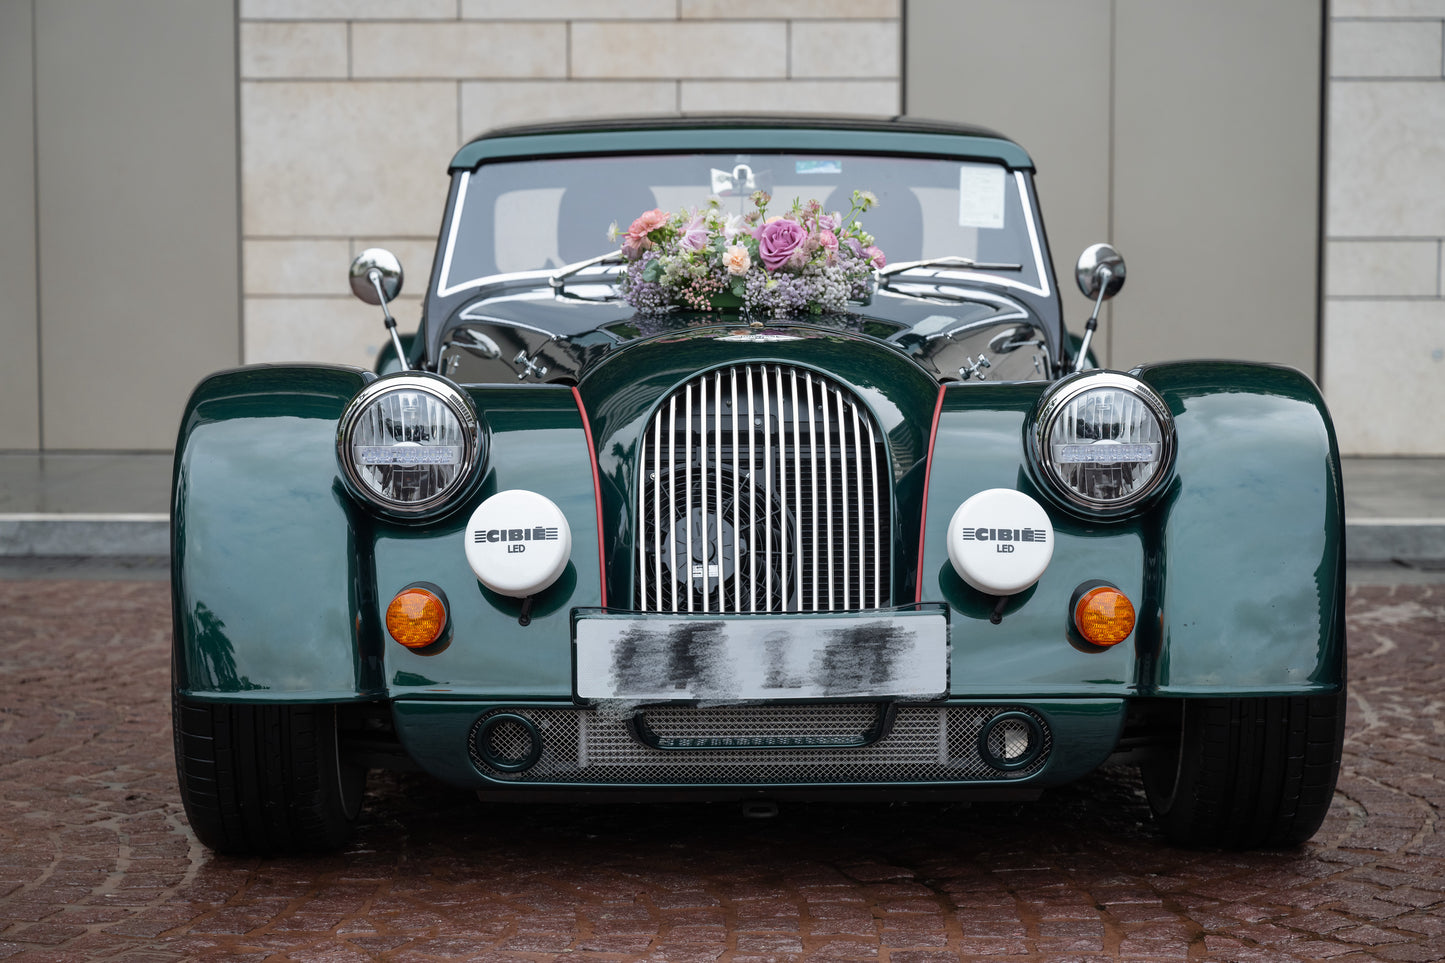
924, 745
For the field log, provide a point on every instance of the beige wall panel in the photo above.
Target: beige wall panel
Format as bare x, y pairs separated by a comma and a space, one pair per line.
1037, 71
327, 159
1216, 186
19, 364
138, 223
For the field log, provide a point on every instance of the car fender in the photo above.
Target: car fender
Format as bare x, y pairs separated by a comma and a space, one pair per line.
1236, 570
280, 575
269, 595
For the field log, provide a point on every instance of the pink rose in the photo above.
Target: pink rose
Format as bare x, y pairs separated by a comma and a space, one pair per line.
777, 240
875, 255
828, 241
637, 240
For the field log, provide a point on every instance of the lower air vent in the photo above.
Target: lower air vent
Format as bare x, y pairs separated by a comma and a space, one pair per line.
762, 745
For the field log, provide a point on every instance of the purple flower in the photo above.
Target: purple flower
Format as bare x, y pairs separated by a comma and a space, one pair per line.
777, 240
694, 234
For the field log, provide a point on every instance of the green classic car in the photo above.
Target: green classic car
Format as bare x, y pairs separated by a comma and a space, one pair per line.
750, 459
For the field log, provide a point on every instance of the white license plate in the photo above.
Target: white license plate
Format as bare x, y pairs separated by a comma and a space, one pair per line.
893, 654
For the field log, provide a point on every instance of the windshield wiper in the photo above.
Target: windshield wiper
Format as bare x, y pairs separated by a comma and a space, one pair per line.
951, 260
558, 278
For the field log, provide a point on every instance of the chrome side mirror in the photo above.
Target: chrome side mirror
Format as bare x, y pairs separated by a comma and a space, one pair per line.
1100, 272
376, 279
376, 276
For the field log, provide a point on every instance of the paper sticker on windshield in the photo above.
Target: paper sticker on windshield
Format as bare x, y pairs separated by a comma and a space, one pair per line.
980, 195
818, 167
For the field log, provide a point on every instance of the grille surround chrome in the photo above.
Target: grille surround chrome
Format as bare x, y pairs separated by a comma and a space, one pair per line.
759, 483
924, 745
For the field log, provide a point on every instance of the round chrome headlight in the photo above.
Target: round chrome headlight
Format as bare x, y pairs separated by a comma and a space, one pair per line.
1104, 441
408, 443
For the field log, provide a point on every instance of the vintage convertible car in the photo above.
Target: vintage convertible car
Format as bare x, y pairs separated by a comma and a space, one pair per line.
774, 502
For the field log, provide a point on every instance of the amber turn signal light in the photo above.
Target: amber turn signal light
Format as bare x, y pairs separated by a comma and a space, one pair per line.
416, 617
1104, 616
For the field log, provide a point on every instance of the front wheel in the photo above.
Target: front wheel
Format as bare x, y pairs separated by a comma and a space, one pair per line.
264, 779
1248, 773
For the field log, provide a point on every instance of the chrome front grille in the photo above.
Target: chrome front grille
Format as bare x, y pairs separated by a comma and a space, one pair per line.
763, 489
924, 745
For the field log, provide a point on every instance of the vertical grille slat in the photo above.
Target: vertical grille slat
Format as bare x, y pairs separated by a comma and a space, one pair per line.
877, 530
767, 500
730, 459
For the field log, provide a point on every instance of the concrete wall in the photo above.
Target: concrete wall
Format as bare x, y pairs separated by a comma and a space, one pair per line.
19, 318
1185, 133
131, 239
1384, 371
118, 219
350, 110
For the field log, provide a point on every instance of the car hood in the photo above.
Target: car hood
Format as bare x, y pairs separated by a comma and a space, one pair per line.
532, 334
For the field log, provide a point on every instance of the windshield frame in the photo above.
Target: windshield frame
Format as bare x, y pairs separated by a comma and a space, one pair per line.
444, 287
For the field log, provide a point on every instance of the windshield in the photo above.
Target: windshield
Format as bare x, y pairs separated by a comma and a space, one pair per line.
542, 214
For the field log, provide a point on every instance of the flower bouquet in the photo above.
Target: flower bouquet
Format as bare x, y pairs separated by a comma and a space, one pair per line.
804, 261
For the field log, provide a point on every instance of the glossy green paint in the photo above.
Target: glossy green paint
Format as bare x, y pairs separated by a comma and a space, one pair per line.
280, 575
980, 446
434, 733
537, 443
1250, 555
1235, 571
271, 594
622, 392
741, 137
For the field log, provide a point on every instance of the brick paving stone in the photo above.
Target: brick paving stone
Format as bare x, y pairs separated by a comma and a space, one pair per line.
96, 860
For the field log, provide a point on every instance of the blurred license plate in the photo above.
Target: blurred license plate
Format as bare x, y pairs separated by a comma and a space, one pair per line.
892, 654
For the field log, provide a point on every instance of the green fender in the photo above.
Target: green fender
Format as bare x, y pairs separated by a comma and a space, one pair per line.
280, 577
271, 595
1249, 567
1236, 571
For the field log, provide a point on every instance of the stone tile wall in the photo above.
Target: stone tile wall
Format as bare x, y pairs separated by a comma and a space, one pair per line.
350, 110
1384, 337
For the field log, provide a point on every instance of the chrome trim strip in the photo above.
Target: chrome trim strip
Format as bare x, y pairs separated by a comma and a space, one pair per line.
657, 507
752, 497
877, 522
687, 490
443, 290
737, 498
1024, 202
857, 498
702, 486
767, 494
718, 486
824, 394
782, 498
801, 565
672, 493
813, 466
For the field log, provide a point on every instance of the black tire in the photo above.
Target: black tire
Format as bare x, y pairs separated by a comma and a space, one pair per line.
263, 779
1248, 773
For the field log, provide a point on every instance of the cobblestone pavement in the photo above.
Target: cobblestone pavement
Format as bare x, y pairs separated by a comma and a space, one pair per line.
96, 861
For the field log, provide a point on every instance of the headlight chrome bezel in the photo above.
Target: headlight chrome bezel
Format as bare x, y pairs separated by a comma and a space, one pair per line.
1056, 402
470, 432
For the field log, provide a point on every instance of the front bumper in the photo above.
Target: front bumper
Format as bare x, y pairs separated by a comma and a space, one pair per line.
957, 744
